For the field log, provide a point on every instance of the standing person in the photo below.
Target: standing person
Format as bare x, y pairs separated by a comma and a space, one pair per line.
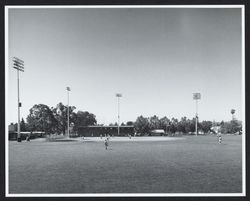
106, 144
219, 138
28, 138
101, 136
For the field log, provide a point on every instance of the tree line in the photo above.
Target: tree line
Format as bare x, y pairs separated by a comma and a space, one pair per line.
144, 125
53, 120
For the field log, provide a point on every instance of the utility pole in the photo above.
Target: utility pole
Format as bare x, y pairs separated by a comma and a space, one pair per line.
68, 90
196, 97
118, 95
18, 64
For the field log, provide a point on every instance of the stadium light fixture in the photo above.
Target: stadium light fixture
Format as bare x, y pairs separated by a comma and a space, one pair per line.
68, 90
118, 95
18, 64
196, 97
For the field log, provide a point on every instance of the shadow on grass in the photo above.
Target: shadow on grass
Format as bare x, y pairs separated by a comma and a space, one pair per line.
59, 139
68, 140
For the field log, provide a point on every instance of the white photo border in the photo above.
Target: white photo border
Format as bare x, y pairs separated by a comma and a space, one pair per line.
7, 194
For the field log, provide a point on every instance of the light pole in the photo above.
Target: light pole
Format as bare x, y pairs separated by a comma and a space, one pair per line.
196, 97
118, 95
18, 64
68, 90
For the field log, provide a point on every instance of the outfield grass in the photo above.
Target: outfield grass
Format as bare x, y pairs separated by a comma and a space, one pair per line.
192, 165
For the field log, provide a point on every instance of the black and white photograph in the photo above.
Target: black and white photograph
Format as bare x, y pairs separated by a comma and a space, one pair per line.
125, 101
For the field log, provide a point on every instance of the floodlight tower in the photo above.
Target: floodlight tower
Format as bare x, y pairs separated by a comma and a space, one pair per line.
118, 95
18, 64
196, 97
68, 90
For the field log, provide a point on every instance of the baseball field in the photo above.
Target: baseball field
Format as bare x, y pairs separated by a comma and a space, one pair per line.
187, 164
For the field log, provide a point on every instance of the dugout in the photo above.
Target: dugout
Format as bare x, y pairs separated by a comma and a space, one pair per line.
96, 131
32, 135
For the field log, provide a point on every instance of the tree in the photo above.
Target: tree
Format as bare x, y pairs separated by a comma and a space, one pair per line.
41, 118
85, 119
142, 125
130, 123
22, 125
13, 127
191, 125
165, 123
231, 127
60, 113
182, 125
154, 122
206, 126
236, 126
173, 125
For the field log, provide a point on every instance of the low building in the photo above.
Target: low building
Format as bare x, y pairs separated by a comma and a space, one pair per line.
32, 135
96, 131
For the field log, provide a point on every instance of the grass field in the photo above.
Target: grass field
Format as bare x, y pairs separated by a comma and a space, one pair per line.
191, 165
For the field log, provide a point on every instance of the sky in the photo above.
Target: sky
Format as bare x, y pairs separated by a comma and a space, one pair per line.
156, 57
